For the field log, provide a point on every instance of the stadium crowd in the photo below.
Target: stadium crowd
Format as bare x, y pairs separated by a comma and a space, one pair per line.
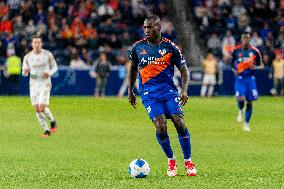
77, 30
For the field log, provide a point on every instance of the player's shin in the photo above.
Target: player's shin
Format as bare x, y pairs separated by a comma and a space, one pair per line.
42, 121
241, 104
184, 140
164, 141
203, 90
248, 112
49, 114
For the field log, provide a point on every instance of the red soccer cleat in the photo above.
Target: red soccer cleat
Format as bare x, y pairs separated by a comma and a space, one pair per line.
190, 168
46, 134
53, 130
53, 127
172, 168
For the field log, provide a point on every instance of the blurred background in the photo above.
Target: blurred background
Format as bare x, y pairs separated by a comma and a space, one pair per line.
91, 39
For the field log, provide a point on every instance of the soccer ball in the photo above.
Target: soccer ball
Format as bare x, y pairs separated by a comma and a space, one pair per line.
139, 168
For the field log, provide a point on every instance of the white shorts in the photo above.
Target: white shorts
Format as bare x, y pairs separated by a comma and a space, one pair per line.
40, 91
209, 79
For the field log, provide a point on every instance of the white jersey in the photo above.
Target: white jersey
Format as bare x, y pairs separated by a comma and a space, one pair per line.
40, 63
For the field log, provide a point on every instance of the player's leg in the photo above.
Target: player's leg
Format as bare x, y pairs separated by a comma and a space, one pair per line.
156, 113
241, 103
41, 118
98, 86
212, 85
174, 111
103, 85
204, 86
251, 95
184, 140
43, 103
47, 112
34, 96
160, 123
240, 96
248, 116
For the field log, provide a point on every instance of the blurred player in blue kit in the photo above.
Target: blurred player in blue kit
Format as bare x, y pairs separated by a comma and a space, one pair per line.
153, 59
245, 59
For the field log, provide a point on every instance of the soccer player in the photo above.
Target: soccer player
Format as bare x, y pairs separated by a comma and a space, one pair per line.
41, 65
155, 57
245, 59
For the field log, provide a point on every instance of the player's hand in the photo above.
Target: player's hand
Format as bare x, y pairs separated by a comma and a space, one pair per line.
46, 75
132, 98
183, 98
26, 71
94, 75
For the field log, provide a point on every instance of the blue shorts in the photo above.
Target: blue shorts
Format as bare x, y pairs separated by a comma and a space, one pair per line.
167, 106
246, 87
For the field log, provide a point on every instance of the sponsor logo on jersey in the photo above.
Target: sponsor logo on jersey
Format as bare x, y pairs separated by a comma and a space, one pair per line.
152, 60
143, 52
163, 52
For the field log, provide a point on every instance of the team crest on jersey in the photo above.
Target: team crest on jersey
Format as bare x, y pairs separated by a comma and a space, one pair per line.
163, 52
240, 54
143, 52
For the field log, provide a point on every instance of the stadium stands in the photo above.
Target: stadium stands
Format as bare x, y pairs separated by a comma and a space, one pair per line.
90, 26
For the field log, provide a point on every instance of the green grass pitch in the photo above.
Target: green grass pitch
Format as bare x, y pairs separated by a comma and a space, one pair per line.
99, 137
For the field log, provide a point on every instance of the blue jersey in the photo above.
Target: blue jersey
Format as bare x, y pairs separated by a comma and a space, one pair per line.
243, 59
156, 66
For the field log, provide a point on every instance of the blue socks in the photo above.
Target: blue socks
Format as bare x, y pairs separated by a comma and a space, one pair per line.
241, 104
184, 140
164, 141
248, 112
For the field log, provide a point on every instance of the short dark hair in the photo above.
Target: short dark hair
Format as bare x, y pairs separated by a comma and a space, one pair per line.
154, 18
37, 36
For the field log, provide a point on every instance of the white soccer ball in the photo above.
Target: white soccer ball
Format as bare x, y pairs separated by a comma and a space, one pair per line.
139, 168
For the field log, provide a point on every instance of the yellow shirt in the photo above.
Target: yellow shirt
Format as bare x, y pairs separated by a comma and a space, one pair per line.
210, 66
13, 65
278, 66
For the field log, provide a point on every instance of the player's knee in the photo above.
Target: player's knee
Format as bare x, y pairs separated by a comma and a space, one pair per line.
179, 123
241, 98
41, 108
160, 123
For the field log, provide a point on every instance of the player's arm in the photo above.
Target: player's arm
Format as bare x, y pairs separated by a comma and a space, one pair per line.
184, 84
258, 60
182, 67
53, 66
25, 67
132, 76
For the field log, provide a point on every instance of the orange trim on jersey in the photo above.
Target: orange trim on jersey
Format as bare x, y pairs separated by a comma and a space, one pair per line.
246, 64
237, 47
153, 69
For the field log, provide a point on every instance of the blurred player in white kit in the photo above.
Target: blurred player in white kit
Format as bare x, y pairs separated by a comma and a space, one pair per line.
41, 65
